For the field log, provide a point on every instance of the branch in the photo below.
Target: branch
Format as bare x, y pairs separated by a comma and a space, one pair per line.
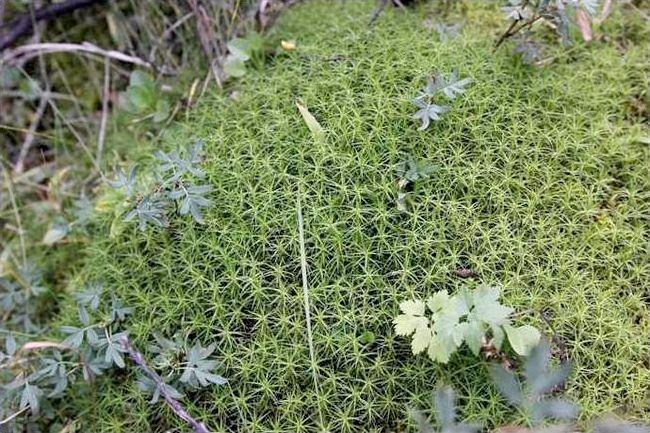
173, 404
24, 23
29, 51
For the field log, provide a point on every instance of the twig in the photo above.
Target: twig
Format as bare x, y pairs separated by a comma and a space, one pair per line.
105, 97
207, 38
511, 29
13, 415
42, 104
23, 24
173, 404
29, 51
168, 33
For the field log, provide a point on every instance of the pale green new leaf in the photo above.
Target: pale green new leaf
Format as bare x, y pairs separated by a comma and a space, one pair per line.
441, 349
412, 319
474, 332
522, 339
421, 338
413, 308
487, 308
406, 324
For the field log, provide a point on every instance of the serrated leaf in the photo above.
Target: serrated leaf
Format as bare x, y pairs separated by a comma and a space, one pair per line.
441, 349
474, 332
522, 339
487, 308
421, 338
412, 308
406, 324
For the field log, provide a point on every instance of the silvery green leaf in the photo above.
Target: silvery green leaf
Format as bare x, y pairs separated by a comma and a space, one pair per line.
561, 22
57, 231
150, 387
113, 356
197, 371
29, 398
94, 365
192, 200
84, 318
60, 385
421, 421
148, 210
91, 296
529, 51
445, 399
451, 87
412, 170
124, 181
516, 10
429, 112
32, 278
92, 337
507, 383
118, 310
178, 165
546, 382
82, 211
618, 426
75, 338
447, 32
558, 409
10, 345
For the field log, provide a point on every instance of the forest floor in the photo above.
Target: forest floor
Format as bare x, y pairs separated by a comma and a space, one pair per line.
539, 184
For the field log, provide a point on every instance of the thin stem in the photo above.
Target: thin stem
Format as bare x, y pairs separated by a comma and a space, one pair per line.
14, 206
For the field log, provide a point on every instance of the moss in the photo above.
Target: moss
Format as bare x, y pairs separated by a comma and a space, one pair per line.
540, 187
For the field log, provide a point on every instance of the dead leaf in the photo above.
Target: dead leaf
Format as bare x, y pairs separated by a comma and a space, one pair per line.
288, 45
316, 129
465, 273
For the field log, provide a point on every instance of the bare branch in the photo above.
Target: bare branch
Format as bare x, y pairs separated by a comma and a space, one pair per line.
29, 51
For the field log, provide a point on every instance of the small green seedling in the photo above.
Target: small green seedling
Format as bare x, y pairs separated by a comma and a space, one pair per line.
466, 317
143, 98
